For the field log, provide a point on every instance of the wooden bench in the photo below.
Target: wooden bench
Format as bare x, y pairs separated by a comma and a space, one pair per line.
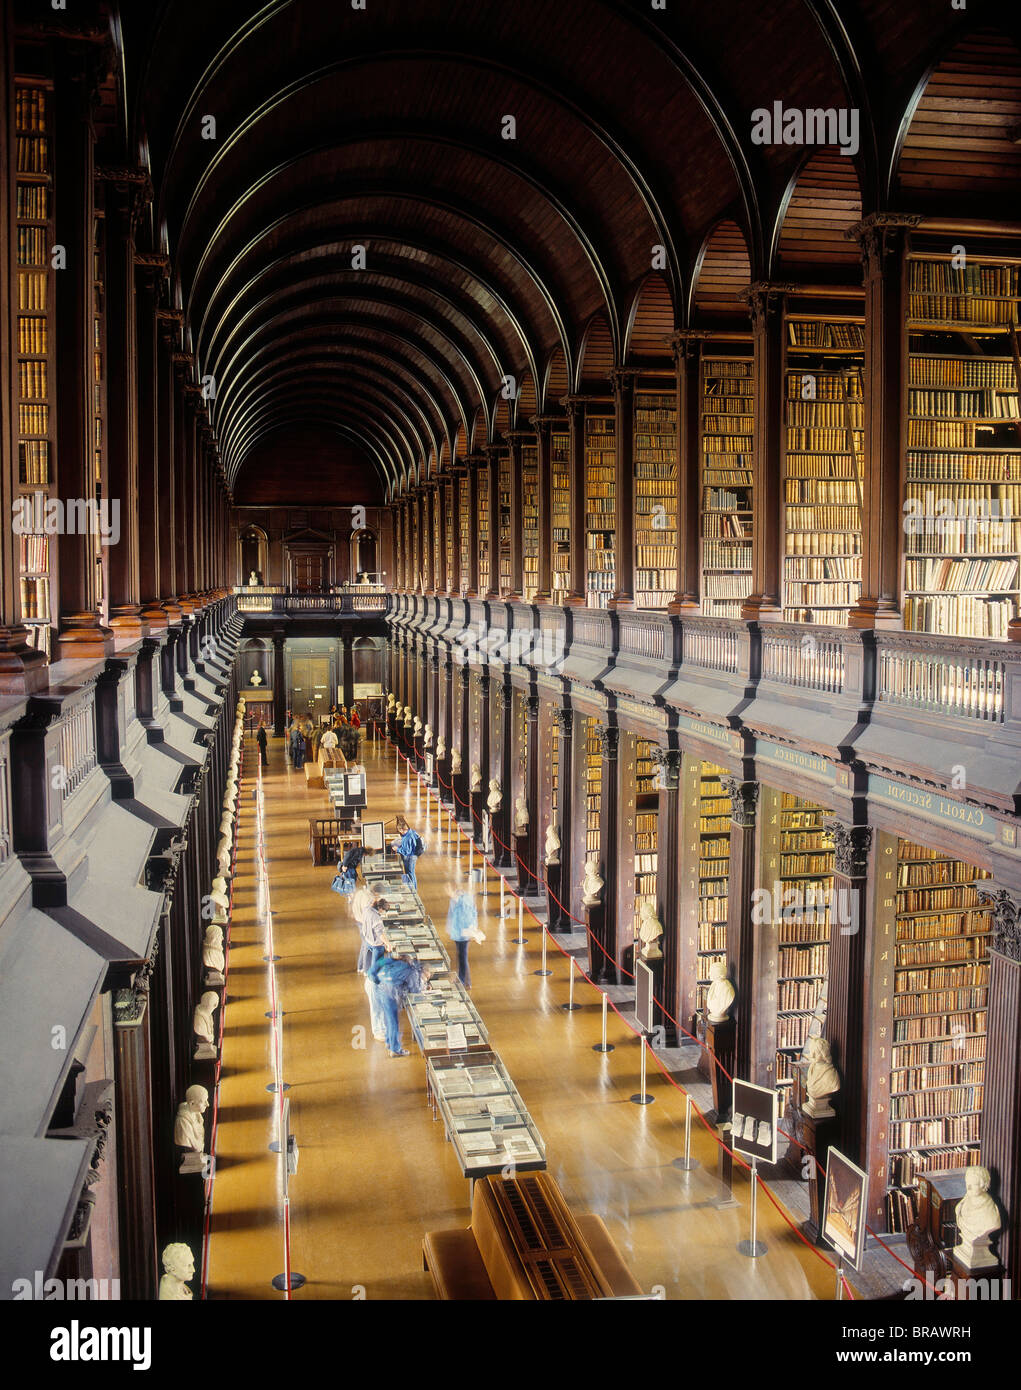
524, 1244
329, 839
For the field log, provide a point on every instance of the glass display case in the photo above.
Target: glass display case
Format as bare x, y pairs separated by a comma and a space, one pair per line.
444, 1020
483, 1114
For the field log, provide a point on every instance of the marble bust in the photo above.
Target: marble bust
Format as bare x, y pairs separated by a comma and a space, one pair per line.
253, 580
591, 884
455, 762
427, 738
178, 1268
720, 994
418, 726
391, 700
202, 1025
650, 929
495, 798
255, 679
978, 1217
552, 850
223, 854
821, 1080
441, 748
190, 1129
407, 714
520, 816
212, 954
476, 778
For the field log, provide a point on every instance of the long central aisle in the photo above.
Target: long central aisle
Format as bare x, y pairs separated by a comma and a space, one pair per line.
375, 1171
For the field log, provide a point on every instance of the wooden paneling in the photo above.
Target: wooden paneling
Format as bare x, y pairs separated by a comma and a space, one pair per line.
824, 202
723, 271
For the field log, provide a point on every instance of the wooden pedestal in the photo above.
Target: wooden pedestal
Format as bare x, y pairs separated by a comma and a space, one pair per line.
526, 884
602, 970
721, 1041
557, 921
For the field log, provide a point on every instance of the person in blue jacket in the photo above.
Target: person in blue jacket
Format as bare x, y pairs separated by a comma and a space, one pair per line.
409, 846
463, 928
395, 977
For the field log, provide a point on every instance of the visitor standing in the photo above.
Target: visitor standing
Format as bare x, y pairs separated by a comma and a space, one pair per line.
408, 846
260, 739
463, 928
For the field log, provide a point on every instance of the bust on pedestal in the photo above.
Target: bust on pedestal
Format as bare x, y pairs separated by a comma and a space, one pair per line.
189, 1130
601, 969
811, 1123
476, 793
650, 929
720, 1037
978, 1218
203, 1027
178, 1268
212, 954
521, 819
552, 873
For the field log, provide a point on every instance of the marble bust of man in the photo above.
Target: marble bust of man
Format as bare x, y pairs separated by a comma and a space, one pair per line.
427, 738
520, 816
255, 679
978, 1217
552, 850
202, 1024
822, 1079
189, 1128
650, 929
212, 952
441, 748
253, 580
495, 798
720, 994
178, 1267
455, 762
476, 778
591, 884
418, 726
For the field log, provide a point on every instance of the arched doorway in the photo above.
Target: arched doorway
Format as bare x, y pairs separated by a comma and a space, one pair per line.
253, 557
365, 556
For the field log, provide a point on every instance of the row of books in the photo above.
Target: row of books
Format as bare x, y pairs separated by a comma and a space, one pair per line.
32, 334
824, 441
30, 109
33, 379
974, 278
937, 976
821, 594
821, 466
33, 202
838, 414
951, 1129
818, 542
945, 434
729, 427
912, 872
960, 309
719, 555
959, 576
737, 445
664, 556
939, 949
942, 1001
815, 334
818, 491
34, 462
32, 154
905, 1168
823, 386
32, 246
961, 1049
975, 404
831, 567
713, 883
35, 599
971, 372
812, 960
925, 1078
716, 478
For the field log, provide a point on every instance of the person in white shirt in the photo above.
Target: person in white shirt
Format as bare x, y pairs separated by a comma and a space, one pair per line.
361, 900
373, 939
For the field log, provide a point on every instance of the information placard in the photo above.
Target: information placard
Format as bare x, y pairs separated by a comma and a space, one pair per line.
373, 837
753, 1128
644, 982
844, 1207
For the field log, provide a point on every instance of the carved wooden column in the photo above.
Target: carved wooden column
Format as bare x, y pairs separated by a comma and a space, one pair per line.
148, 277
515, 440
605, 962
532, 791
279, 685
686, 347
851, 945
460, 779
166, 455
503, 820
744, 938
136, 1202
454, 525
544, 497
1001, 1114
82, 633
766, 306
559, 920
472, 483
493, 483
428, 504
577, 591
624, 401
668, 884
882, 238
441, 580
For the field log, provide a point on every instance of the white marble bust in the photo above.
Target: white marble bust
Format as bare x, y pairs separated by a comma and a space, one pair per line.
219, 895
591, 884
202, 1025
821, 1080
190, 1130
978, 1217
253, 580
455, 762
720, 994
407, 714
476, 778
427, 738
391, 700
495, 798
650, 929
441, 748
520, 816
178, 1267
418, 726
255, 679
212, 951
223, 854
552, 849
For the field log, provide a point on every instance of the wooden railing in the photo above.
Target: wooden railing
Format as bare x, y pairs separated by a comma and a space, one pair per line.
812, 660
713, 644
969, 681
77, 747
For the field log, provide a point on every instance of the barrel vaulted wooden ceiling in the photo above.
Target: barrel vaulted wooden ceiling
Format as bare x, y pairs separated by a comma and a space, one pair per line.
487, 257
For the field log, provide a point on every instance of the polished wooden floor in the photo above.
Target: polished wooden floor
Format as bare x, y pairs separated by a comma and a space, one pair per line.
375, 1172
